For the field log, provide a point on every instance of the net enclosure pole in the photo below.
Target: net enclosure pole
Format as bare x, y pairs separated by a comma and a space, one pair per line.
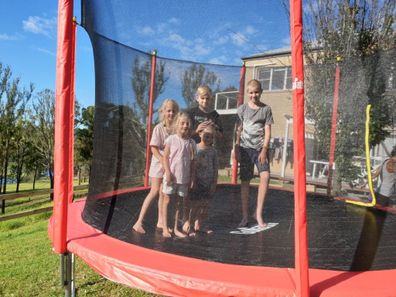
71, 114
241, 93
300, 216
150, 115
63, 123
333, 132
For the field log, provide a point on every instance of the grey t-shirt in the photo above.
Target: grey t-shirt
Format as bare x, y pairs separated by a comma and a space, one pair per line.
206, 165
387, 187
253, 123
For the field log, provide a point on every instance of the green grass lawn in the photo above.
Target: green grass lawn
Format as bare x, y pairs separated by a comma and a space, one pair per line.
27, 265
29, 268
40, 184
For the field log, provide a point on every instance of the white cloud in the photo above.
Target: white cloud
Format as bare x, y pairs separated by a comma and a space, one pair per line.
39, 25
250, 30
201, 50
6, 37
262, 47
45, 51
218, 60
146, 30
159, 29
174, 21
221, 40
238, 38
173, 37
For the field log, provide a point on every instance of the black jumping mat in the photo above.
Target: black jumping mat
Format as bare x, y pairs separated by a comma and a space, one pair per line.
341, 236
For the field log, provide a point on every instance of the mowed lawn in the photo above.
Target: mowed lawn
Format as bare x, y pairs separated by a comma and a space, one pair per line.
29, 268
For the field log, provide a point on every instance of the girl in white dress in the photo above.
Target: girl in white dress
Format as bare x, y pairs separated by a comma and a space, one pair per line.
168, 111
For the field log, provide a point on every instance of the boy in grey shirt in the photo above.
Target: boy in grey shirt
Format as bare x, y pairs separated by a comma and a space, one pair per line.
251, 148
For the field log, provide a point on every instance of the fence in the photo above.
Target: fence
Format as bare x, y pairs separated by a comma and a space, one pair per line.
32, 195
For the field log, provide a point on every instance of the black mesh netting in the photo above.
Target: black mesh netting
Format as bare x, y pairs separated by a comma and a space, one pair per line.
122, 76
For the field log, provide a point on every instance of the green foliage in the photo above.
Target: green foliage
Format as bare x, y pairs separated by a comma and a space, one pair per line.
13, 101
195, 76
141, 81
359, 37
83, 143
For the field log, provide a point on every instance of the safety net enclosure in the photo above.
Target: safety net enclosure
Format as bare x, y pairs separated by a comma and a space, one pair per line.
353, 119
334, 112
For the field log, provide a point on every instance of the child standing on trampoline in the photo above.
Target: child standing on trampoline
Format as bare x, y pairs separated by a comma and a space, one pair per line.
204, 186
179, 155
203, 115
386, 190
251, 148
168, 111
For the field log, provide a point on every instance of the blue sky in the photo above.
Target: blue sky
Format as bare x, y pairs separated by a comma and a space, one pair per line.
219, 32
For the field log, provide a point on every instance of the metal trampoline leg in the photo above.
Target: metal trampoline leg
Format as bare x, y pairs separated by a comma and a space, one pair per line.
67, 274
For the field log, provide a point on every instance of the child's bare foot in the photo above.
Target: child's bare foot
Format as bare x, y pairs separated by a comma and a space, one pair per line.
262, 225
180, 234
166, 234
197, 225
139, 228
159, 228
243, 223
186, 227
261, 222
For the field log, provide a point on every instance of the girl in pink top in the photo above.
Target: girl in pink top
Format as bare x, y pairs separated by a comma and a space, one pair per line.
168, 112
178, 163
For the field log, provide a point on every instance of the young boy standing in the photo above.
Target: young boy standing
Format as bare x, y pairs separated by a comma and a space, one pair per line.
251, 148
203, 115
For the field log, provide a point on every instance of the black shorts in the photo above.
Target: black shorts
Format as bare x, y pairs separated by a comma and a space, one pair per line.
249, 158
381, 199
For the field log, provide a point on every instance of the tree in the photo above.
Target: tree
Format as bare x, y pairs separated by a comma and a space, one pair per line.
84, 140
141, 75
22, 149
360, 35
195, 76
12, 110
44, 116
5, 74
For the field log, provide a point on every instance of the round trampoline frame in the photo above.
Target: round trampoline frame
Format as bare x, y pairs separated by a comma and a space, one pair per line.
170, 274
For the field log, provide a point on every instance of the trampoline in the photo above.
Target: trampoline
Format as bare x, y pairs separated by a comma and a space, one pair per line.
351, 249
342, 237
318, 245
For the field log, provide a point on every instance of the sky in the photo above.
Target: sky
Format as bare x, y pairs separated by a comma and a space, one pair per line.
219, 32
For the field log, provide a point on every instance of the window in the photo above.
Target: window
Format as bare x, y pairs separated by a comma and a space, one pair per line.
274, 79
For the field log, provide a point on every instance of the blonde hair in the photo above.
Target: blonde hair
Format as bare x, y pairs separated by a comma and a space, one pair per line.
181, 114
254, 83
163, 108
202, 90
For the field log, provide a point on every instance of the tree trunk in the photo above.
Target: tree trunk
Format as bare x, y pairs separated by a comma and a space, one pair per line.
5, 169
34, 178
51, 184
19, 175
79, 175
